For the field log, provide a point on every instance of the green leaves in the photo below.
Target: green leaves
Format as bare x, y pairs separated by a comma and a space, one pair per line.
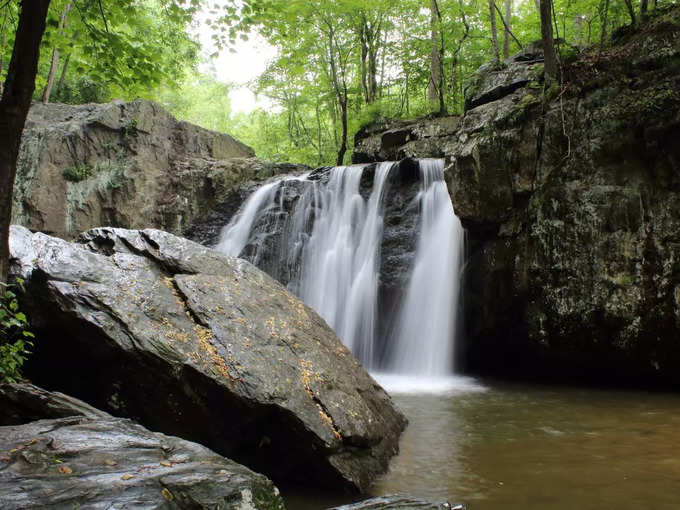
14, 337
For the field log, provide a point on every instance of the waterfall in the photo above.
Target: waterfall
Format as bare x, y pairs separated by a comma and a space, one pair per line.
422, 342
329, 248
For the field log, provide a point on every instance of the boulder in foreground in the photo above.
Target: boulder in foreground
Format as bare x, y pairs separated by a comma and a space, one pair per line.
206, 347
93, 460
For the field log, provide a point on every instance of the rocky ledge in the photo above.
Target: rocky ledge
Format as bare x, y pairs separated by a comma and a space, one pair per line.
192, 343
58, 452
124, 164
571, 202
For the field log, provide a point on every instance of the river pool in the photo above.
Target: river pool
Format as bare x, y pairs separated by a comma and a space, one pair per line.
509, 446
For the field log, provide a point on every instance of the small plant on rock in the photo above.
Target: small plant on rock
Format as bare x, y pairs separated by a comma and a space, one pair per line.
15, 339
77, 173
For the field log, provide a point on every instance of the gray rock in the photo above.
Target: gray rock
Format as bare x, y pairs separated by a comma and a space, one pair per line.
105, 462
206, 347
22, 403
132, 165
395, 502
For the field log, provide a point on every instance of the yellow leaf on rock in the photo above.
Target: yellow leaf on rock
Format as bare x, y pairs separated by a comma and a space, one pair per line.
166, 463
126, 477
65, 470
167, 494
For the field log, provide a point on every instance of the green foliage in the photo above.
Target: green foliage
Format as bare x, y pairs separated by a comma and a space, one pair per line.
15, 339
78, 172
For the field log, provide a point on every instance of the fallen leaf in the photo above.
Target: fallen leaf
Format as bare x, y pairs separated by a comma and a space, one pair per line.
166, 463
32, 441
126, 477
65, 470
167, 494
110, 462
4, 459
223, 471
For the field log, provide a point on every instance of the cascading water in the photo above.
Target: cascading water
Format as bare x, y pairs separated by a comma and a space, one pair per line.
340, 267
330, 244
422, 342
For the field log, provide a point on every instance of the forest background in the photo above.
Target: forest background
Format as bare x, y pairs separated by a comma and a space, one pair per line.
338, 64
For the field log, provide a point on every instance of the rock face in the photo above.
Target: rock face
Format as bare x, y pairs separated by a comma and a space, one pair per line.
123, 164
88, 458
396, 502
206, 347
572, 209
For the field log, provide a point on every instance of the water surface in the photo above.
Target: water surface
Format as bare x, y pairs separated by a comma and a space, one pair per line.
510, 446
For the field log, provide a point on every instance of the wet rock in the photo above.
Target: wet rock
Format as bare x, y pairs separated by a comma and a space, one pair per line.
106, 462
206, 347
397, 502
22, 403
125, 164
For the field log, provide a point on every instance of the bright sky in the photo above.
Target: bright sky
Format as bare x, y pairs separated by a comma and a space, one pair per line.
247, 63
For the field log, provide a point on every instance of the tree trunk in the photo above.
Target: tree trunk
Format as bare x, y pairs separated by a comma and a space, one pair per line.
364, 58
494, 34
343, 115
62, 77
14, 105
432, 93
55, 57
2, 44
603, 34
508, 28
631, 11
548, 42
644, 5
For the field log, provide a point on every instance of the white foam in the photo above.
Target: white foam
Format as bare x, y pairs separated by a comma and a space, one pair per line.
413, 384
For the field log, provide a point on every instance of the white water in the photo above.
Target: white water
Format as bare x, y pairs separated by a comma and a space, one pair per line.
340, 266
335, 235
423, 340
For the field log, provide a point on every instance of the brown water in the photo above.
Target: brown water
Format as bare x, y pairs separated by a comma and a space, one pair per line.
522, 447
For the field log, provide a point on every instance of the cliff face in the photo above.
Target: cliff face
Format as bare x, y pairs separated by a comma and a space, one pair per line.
123, 164
572, 205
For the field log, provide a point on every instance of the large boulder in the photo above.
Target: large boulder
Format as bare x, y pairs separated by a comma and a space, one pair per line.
58, 452
124, 164
571, 203
192, 343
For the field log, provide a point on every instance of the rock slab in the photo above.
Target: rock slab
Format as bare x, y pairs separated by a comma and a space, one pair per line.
90, 459
192, 343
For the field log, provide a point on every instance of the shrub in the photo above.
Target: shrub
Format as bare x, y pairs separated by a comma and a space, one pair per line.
77, 173
15, 339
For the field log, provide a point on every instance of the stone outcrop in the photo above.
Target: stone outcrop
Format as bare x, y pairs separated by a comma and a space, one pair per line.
64, 454
192, 343
123, 164
398, 502
572, 207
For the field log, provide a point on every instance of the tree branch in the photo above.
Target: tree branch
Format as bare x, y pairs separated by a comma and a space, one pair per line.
506, 26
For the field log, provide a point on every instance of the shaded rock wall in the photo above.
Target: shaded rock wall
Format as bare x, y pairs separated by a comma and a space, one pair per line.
122, 164
572, 207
